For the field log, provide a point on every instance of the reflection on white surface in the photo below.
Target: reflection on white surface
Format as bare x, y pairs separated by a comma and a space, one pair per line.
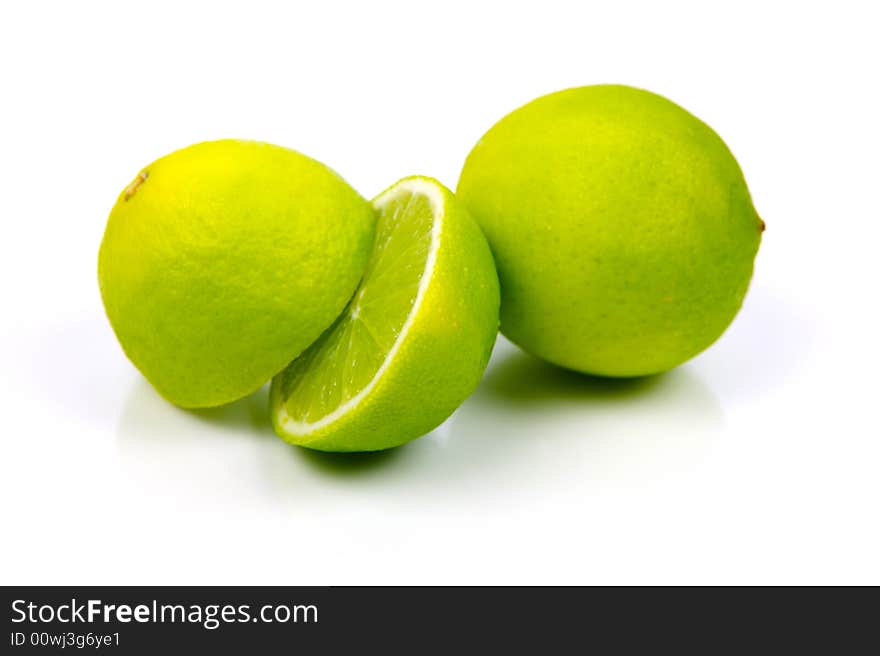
538, 461
193, 459
528, 426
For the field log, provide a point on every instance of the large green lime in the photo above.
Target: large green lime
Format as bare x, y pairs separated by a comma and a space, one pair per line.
621, 225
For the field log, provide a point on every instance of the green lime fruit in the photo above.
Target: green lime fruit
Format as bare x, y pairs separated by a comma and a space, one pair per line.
621, 225
414, 340
223, 261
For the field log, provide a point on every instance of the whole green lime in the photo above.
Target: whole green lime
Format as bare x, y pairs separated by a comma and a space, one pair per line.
621, 226
223, 261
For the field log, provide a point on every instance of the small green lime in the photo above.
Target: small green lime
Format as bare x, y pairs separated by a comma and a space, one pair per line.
223, 261
621, 225
413, 342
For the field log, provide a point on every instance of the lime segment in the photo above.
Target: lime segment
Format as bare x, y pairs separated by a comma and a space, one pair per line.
329, 377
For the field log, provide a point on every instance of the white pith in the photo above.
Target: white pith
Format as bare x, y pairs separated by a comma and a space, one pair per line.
434, 195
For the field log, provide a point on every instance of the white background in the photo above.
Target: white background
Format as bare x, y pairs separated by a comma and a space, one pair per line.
757, 462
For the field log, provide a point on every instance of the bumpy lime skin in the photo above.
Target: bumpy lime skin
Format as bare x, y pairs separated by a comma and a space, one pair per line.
621, 225
442, 358
223, 261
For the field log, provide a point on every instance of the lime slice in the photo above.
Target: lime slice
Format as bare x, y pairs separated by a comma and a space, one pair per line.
412, 343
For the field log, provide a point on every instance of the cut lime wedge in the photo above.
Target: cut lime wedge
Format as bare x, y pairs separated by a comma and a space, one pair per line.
380, 376
340, 369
